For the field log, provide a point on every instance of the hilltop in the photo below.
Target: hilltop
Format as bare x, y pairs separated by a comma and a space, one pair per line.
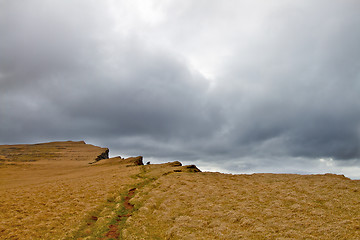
69, 150
73, 190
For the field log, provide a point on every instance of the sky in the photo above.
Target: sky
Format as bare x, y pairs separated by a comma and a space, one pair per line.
236, 86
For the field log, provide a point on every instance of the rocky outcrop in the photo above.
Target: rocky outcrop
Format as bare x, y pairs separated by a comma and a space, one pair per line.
178, 167
174, 164
138, 161
133, 161
192, 168
103, 155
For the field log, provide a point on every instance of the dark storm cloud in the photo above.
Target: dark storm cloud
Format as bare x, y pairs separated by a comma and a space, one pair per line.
299, 88
282, 93
73, 85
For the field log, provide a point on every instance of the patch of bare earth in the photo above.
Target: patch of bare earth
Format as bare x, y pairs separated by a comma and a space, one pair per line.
128, 205
114, 231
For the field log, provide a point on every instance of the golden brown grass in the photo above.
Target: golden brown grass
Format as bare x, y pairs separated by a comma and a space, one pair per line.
50, 198
58, 195
259, 206
54, 151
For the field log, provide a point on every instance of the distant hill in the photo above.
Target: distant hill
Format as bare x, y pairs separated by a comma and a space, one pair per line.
72, 190
69, 150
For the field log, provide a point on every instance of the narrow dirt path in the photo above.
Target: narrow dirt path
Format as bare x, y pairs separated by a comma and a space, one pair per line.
130, 194
114, 228
113, 232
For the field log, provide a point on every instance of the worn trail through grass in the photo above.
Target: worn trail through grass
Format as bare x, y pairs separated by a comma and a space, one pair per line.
115, 228
109, 221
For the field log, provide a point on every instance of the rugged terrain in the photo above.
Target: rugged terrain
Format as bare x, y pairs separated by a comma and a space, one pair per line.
72, 190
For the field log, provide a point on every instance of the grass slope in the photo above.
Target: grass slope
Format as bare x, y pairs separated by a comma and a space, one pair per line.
59, 195
258, 206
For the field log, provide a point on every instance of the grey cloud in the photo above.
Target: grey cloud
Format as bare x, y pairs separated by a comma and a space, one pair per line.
299, 86
283, 96
104, 88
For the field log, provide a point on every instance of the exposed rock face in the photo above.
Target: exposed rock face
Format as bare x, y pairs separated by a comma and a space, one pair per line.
133, 161
178, 167
175, 164
103, 155
192, 168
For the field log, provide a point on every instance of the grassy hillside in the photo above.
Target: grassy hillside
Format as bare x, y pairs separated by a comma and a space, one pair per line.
50, 191
258, 206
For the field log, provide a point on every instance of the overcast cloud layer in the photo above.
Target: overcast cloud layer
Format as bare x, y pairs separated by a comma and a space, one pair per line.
233, 86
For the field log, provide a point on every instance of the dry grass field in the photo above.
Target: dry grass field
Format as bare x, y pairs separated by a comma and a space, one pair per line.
48, 197
50, 191
258, 206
